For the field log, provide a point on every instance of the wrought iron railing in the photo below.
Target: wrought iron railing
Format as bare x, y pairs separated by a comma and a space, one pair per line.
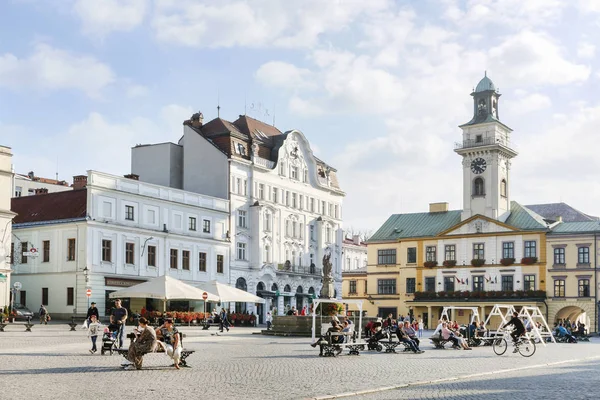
299, 269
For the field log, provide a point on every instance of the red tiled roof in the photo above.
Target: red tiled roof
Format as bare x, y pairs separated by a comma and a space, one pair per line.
50, 207
44, 180
251, 126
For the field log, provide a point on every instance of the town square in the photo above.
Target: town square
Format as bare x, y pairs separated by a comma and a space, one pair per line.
299, 199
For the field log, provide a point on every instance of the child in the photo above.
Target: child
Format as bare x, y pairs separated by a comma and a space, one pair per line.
94, 330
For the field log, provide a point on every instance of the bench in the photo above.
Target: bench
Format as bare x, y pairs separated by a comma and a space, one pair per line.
28, 326
331, 349
185, 353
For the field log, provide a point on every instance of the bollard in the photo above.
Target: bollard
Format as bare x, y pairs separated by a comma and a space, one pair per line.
28, 325
73, 325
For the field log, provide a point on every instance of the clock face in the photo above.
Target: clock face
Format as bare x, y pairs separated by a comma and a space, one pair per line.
478, 166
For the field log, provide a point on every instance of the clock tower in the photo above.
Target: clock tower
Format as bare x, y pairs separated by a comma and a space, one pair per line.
487, 153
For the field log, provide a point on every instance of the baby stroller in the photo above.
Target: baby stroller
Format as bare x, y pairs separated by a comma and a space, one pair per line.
110, 339
373, 342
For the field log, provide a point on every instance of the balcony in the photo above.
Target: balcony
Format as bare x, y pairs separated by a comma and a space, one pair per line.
290, 268
491, 295
263, 162
489, 141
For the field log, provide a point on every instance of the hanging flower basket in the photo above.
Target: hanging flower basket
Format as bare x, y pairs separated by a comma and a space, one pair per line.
529, 260
477, 262
449, 263
330, 309
430, 264
507, 261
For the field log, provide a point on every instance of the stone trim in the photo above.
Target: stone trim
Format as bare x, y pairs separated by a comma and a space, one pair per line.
584, 276
559, 246
583, 245
559, 277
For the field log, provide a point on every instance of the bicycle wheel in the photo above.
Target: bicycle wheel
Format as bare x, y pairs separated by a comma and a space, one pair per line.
500, 346
527, 348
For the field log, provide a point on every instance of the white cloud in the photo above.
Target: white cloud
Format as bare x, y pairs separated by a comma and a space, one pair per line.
586, 50
99, 18
134, 90
228, 23
49, 68
532, 58
528, 103
96, 142
282, 74
586, 6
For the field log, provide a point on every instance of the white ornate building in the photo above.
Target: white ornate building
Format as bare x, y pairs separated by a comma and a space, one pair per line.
112, 232
354, 253
6, 176
286, 204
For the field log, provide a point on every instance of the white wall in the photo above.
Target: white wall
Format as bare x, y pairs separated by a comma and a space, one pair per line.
6, 177
160, 164
26, 187
205, 168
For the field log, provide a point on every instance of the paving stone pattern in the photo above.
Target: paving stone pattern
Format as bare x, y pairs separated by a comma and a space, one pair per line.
240, 365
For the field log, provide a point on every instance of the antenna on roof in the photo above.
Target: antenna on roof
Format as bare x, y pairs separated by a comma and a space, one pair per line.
273, 114
218, 104
56, 169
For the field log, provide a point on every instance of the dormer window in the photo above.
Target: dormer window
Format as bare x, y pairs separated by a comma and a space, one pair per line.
479, 139
282, 168
240, 149
294, 172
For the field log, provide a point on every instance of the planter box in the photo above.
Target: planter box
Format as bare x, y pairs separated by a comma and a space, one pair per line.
507, 261
477, 262
449, 263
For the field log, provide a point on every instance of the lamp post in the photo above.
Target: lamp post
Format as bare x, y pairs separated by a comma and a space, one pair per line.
86, 272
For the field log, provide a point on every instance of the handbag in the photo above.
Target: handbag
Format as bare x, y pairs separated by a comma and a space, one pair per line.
48, 317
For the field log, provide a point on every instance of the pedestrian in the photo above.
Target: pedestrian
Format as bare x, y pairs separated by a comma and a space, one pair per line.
118, 316
224, 322
421, 326
43, 315
269, 321
92, 311
94, 329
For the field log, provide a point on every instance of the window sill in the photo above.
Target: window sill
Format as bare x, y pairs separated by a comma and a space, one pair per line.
583, 265
474, 196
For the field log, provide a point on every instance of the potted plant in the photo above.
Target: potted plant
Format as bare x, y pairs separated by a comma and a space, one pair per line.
477, 262
430, 264
449, 263
529, 260
507, 261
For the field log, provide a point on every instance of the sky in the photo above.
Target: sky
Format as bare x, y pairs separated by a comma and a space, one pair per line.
378, 87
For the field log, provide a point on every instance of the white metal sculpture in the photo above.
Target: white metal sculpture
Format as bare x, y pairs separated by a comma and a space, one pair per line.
474, 310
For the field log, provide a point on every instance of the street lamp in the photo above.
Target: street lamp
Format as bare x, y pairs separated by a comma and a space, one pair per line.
86, 272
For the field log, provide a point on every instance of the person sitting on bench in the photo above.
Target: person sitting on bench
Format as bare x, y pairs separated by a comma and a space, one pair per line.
447, 334
410, 331
403, 337
321, 341
145, 342
170, 340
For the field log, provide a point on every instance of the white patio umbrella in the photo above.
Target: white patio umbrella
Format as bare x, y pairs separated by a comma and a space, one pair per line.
228, 293
164, 288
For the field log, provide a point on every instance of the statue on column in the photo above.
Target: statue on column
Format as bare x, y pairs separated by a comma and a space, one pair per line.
327, 291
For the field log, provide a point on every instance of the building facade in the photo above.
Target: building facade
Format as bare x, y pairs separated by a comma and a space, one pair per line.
111, 233
286, 204
6, 216
354, 252
29, 185
493, 251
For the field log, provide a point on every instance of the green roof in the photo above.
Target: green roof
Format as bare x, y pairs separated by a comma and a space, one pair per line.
577, 227
400, 226
523, 218
485, 84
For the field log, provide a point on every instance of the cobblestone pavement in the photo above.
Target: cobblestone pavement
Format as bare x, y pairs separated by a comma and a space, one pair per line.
240, 365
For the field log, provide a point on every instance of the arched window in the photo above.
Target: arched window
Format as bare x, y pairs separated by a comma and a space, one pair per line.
311, 290
241, 284
299, 290
274, 287
260, 287
503, 188
287, 289
478, 187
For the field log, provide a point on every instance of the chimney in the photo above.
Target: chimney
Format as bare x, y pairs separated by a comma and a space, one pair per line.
195, 121
438, 207
41, 191
79, 182
132, 176
30, 174
356, 239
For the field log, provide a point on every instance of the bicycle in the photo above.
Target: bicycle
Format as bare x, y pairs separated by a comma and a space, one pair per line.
524, 345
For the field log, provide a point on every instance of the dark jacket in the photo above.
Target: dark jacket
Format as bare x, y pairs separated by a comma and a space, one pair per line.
516, 322
93, 311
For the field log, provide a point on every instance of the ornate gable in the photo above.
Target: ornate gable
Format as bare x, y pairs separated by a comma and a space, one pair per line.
476, 225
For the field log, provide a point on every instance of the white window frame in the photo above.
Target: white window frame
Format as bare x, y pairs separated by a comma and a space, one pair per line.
241, 251
242, 218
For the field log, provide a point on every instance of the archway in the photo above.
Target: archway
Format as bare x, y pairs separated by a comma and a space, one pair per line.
299, 298
573, 314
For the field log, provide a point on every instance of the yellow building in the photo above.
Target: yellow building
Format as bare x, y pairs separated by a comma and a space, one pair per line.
493, 251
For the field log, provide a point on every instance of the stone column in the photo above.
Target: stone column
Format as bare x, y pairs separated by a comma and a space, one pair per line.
429, 318
280, 305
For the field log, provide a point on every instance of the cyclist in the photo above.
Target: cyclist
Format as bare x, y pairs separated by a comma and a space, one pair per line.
519, 329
